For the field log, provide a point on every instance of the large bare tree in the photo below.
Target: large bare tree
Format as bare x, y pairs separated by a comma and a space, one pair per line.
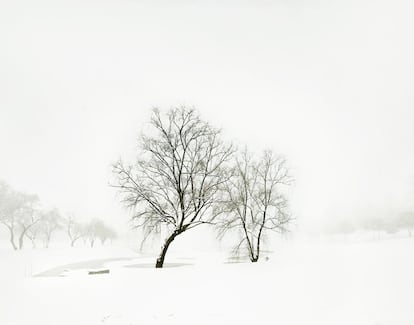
177, 177
255, 202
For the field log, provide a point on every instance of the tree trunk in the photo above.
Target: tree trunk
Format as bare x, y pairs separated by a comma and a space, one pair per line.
12, 239
72, 242
259, 238
161, 257
256, 256
21, 240
47, 241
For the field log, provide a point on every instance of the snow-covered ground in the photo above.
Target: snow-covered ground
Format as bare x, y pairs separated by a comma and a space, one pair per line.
333, 283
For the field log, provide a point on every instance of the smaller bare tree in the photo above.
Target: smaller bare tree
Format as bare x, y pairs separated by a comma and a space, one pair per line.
255, 202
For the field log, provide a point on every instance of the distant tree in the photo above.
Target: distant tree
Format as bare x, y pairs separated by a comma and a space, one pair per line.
50, 222
390, 226
33, 233
375, 224
29, 215
96, 229
346, 227
254, 202
10, 205
405, 221
104, 233
343, 227
92, 230
18, 213
178, 176
74, 230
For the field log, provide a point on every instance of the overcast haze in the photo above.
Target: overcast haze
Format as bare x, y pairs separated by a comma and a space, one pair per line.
328, 84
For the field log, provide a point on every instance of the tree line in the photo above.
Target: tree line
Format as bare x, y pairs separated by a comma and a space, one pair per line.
24, 218
186, 176
399, 223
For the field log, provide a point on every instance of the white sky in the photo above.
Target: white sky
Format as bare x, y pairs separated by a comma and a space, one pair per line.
327, 83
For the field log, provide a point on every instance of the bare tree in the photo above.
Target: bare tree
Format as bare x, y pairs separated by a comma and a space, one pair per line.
178, 176
255, 202
94, 230
10, 204
376, 224
389, 224
97, 229
18, 212
405, 221
104, 232
50, 222
74, 230
33, 232
28, 215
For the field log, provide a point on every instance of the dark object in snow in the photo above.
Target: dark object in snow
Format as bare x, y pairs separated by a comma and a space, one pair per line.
98, 272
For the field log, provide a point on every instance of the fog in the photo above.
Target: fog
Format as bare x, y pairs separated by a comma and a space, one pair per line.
325, 83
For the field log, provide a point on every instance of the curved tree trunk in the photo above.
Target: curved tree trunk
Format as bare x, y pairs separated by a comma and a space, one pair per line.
255, 257
254, 253
12, 239
160, 260
21, 242
21, 239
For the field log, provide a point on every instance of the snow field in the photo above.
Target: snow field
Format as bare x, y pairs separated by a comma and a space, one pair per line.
303, 283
